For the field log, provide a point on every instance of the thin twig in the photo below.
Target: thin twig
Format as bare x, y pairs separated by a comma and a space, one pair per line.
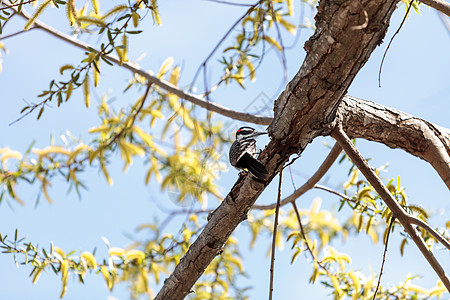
390, 42
7, 6
236, 115
13, 34
280, 39
274, 237
397, 210
203, 64
384, 257
303, 233
323, 169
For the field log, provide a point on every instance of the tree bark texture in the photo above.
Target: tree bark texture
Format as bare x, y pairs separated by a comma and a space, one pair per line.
305, 110
396, 129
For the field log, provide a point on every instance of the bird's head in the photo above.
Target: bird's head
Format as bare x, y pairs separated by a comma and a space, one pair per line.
247, 132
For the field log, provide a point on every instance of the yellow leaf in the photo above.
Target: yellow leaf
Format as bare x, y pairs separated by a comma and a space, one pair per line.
147, 138
105, 172
135, 18
91, 20
115, 10
96, 6
65, 276
107, 277
51, 149
37, 274
352, 180
287, 25
89, 259
86, 91
165, 67
125, 50
155, 12
96, 74
65, 67
71, 12
175, 75
36, 14
115, 251
69, 90
135, 255
60, 252
45, 183
272, 41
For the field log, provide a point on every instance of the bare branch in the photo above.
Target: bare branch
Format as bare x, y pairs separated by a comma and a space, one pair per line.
303, 233
396, 129
323, 169
439, 5
386, 243
430, 230
354, 112
7, 6
397, 211
274, 234
392, 39
245, 117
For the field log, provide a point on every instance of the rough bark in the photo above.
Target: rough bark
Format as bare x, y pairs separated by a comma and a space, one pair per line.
396, 129
305, 110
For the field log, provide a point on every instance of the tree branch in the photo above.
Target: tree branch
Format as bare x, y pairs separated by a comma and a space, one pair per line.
361, 118
439, 5
274, 235
396, 129
236, 115
321, 171
305, 110
396, 209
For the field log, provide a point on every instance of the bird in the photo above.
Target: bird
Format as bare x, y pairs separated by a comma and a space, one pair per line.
243, 151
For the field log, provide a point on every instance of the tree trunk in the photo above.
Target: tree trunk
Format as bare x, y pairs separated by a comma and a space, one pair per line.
347, 33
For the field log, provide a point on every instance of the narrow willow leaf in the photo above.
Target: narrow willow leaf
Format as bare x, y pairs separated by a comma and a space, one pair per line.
71, 12
135, 16
90, 260
402, 246
155, 12
96, 6
125, 48
69, 90
272, 41
37, 13
65, 67
96, 72
37, 274
64, 276
92, 20
115, 10
107, 277
40, 112
86, 91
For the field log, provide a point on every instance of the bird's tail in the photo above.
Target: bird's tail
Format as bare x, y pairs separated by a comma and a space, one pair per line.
257, 168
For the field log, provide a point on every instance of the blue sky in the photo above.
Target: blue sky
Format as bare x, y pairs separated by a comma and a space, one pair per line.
415, 79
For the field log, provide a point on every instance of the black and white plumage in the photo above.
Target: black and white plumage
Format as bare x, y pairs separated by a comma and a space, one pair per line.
243, 150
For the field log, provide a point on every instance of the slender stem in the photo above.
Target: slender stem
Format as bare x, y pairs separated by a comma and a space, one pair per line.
398, 212
321, 171
274, 236
384, 258
236, 115
303, 233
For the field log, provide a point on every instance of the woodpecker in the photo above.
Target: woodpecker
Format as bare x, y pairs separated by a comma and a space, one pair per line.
243, 151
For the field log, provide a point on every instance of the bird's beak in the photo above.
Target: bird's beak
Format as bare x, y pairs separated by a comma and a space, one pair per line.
258, 133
